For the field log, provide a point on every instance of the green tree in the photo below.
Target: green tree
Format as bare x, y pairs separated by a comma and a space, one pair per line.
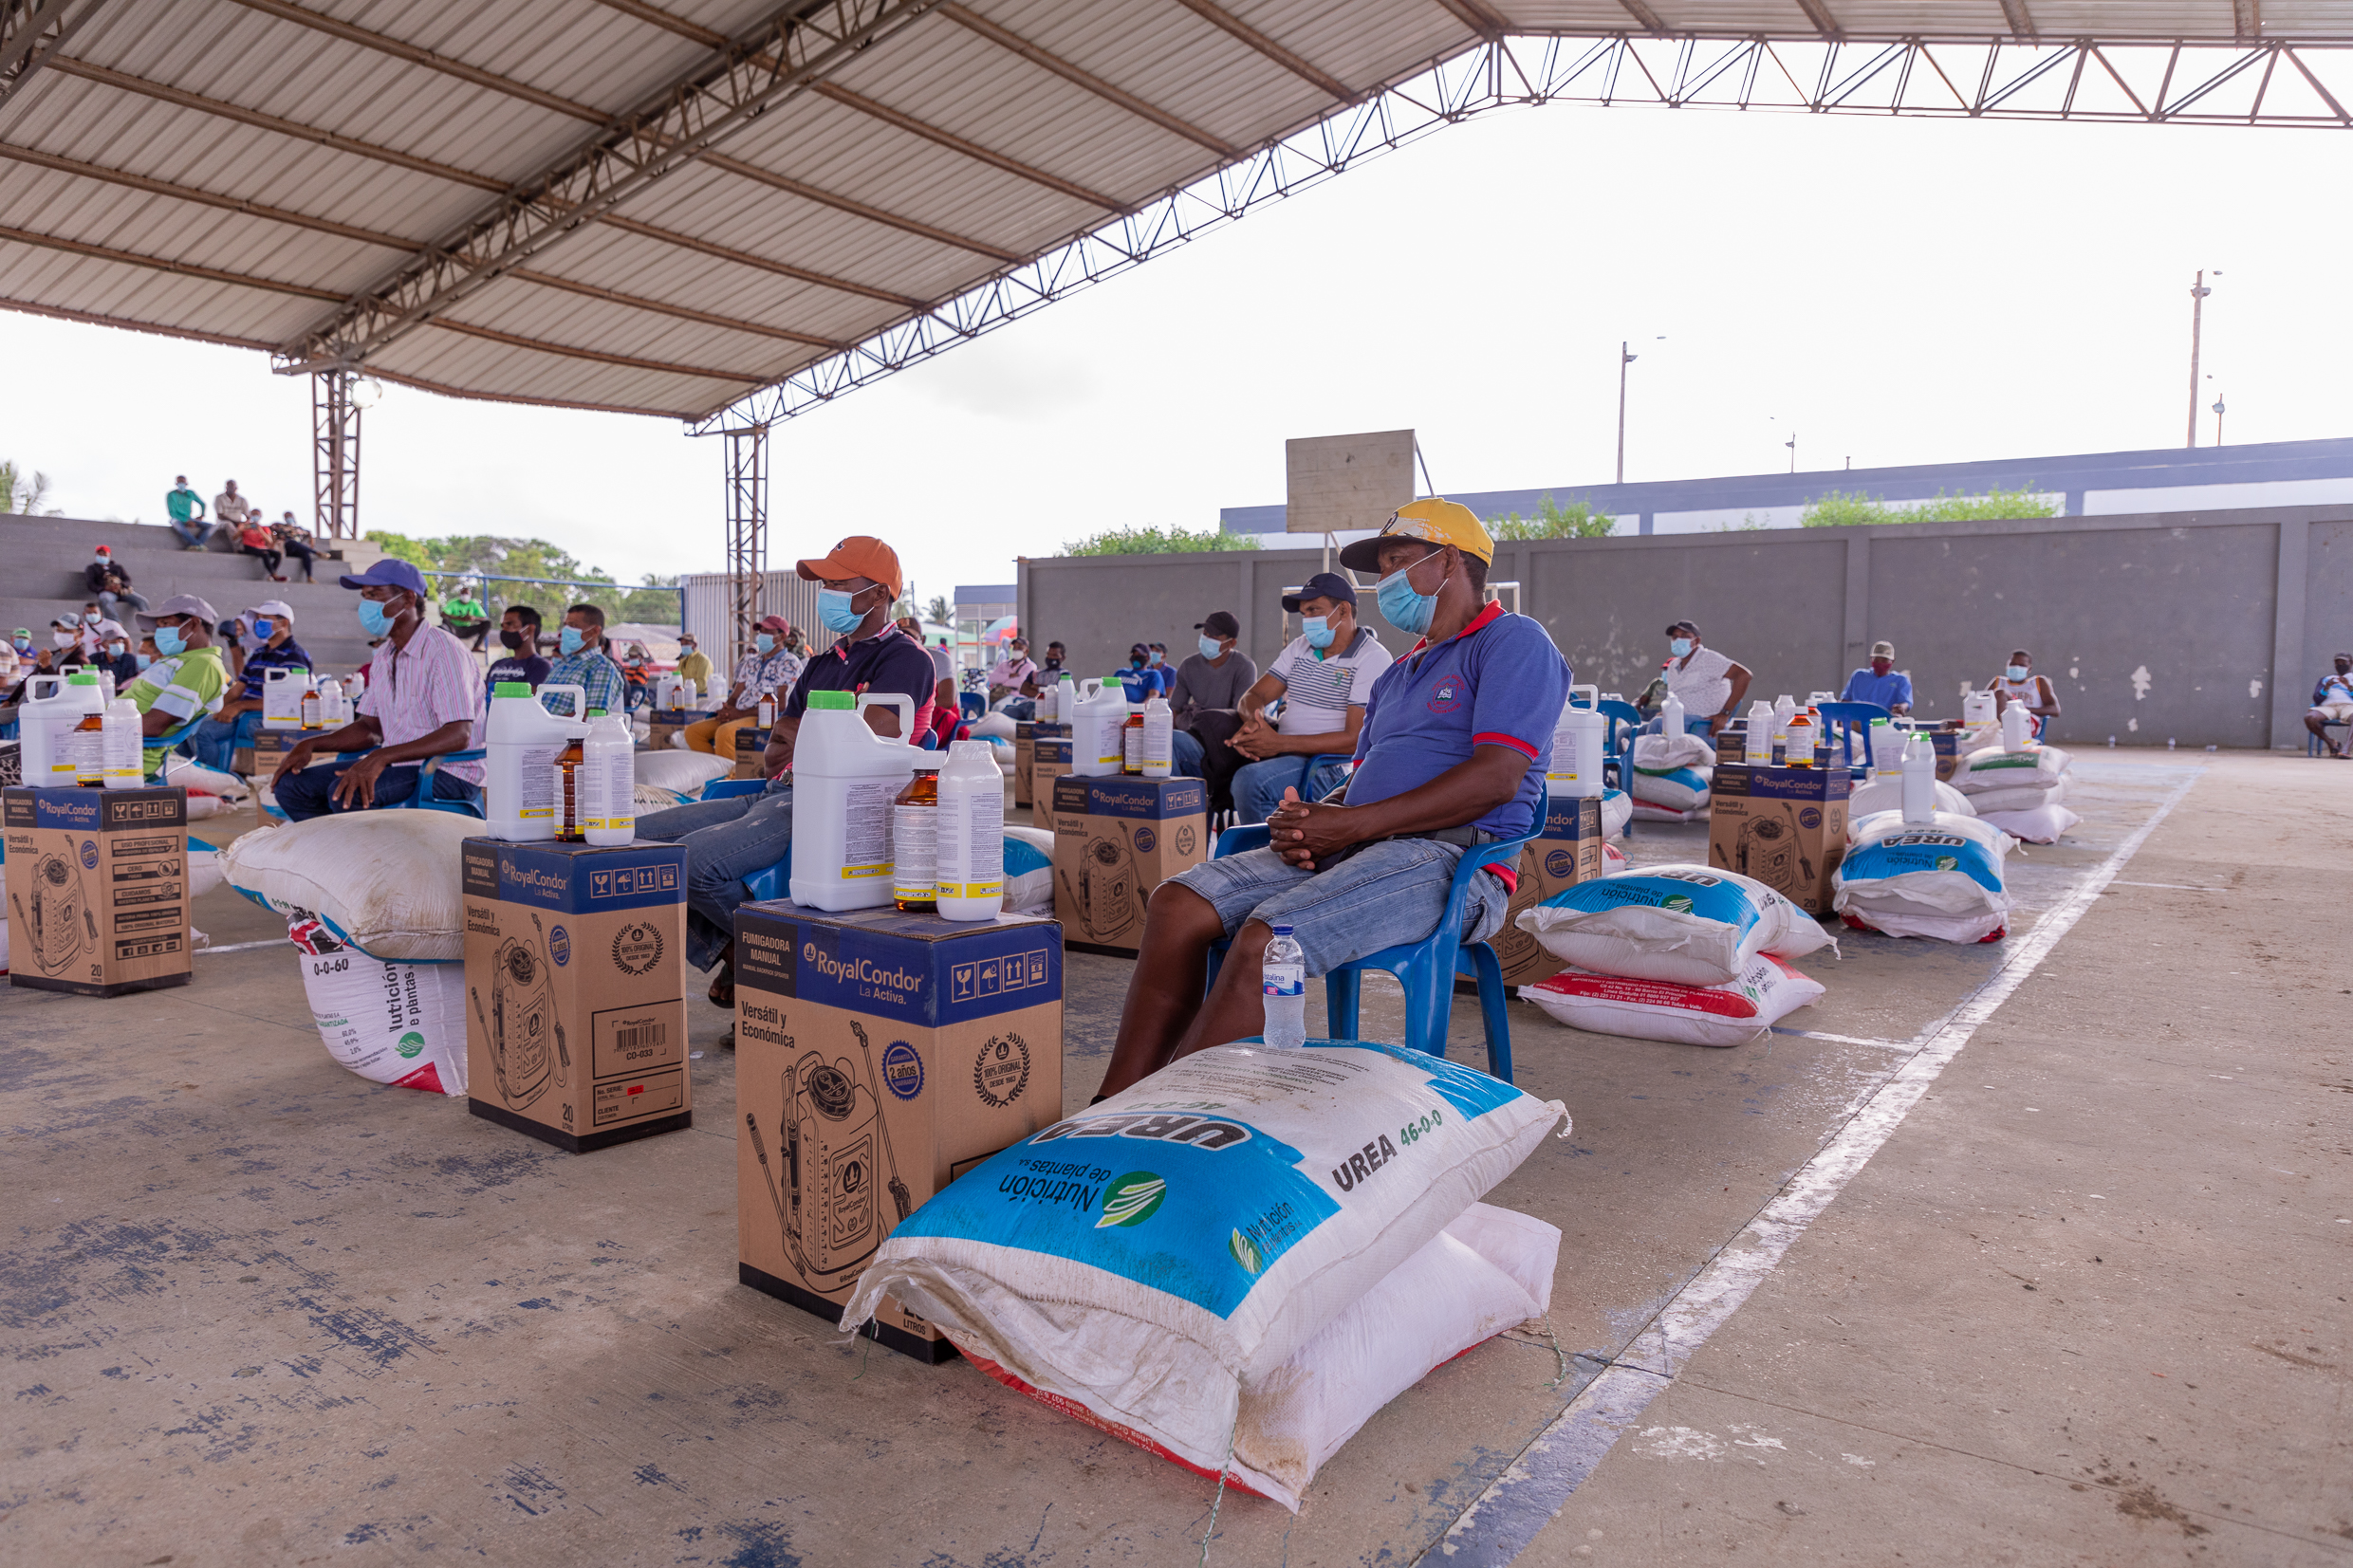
1842, 509
940, 611
1133, 541
1578, 520
562, 582
22, 492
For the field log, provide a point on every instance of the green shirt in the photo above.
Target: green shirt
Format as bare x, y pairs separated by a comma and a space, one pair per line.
462, 609
186, 686
184, 504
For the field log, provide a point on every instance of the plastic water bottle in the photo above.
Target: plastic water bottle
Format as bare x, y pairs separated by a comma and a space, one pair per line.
1919, 792
1284, 981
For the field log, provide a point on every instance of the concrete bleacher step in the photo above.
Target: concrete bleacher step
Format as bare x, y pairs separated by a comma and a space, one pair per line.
43, 580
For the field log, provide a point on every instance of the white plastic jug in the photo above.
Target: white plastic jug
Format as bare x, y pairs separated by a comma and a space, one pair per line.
844, 778
1160, 738
121, 747
1575, 770
283, 686
2017, 727
1095, 747
44, 716
608, 783
518, 779
1762, 723
1784, 706
1919, 780
85, 747
971, 833
1671, 715
334, 705
1976, 709
1887, 748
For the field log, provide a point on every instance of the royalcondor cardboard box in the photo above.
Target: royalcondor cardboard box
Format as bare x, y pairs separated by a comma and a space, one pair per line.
879, 1056
1116, 838
1049, 759
1026, 734
750, 746
98, 888
1568, 852
1785, 826
575, 990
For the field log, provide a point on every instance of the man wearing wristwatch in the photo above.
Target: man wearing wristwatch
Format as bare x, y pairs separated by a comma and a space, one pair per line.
1710, 685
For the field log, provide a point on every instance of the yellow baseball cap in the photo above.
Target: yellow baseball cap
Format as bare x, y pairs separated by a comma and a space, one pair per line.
1433, 517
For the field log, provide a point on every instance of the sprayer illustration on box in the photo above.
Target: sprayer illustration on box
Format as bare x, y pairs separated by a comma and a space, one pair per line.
836, 1145
1769, 852
59, 922
526, 1038
1106, 892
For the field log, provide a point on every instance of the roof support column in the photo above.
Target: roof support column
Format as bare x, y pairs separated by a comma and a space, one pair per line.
747, 534
334, 453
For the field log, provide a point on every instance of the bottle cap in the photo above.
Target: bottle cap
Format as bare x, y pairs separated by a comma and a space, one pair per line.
512, 688
83, 677
1282, 931
596, 712
832, 700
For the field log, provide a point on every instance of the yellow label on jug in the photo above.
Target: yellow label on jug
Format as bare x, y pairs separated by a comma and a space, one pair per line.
851, 874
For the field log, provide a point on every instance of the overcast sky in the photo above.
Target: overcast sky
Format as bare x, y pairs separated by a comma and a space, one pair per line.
1893, 290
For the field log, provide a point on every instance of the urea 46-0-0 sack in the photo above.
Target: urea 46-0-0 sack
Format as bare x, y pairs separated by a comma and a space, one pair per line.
1941, 879
1690, 924
1148, 1258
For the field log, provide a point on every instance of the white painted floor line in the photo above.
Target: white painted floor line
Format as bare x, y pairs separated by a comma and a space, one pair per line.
1504, 1518
1849, 1040
246, 946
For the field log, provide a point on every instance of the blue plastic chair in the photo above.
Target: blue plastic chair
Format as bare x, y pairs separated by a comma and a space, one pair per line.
974, 705
1623, 721
1426, 969
1847, 717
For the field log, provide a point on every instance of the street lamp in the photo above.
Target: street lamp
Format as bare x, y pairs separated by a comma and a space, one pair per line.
2217, 421
1624, 360
2198, 323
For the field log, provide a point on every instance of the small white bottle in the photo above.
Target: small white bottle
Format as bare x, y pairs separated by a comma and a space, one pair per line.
2018, 727
1762, 723
1671, 715
1283, 985
608, 783
121, 745
1784, 706
1160, 738
971, 833
1920, 780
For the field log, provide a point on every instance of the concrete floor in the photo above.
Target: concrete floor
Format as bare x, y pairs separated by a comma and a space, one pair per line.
260, 1311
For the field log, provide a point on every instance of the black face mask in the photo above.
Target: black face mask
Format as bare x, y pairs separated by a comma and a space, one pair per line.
513, 641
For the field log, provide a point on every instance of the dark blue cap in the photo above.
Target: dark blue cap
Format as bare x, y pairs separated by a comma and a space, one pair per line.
391, 572
1322, 585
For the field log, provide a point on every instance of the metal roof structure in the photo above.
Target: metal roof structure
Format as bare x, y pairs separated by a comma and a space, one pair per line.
728, 212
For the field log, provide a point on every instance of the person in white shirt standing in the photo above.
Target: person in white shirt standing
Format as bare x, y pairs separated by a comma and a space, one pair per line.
1322, 677
1710, 685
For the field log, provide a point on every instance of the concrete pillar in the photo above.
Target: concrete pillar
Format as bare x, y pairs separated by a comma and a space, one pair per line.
2289, 696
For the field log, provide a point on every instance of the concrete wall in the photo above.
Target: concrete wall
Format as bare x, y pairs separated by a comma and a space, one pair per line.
2204, 627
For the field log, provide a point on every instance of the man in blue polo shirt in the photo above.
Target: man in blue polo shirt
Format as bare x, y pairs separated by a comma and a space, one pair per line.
1452, 753
1882, 683
727, 840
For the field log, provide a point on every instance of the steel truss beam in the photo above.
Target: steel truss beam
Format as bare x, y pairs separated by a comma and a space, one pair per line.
747, 534
793, 52
32, 33
2271, 83
335, 454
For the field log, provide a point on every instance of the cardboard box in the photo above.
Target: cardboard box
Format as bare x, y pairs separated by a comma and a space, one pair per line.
878, 1057
1783, 826
751, 745
271, 746
98, 888
1569, 852
575, 982
1116, 838
1049, 761
662, 722
1027, 733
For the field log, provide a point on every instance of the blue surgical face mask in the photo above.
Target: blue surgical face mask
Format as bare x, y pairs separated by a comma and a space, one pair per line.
1681, 647
372, 619
834, 609
144, 661
2016, 672
1317, 630
264, 627
90, 617
1211, 647
23, 645
116, 650
169, 642
1404, 606
1155, 658
570, 639
766, 642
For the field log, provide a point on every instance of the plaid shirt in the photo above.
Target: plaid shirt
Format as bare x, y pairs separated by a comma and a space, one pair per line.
413, 692
592, 673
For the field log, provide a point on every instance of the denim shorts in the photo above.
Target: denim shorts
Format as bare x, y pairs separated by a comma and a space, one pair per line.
1386, 893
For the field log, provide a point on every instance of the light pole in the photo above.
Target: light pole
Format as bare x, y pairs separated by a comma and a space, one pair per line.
1624, 360
1792, 444
2198, 323
2217, 419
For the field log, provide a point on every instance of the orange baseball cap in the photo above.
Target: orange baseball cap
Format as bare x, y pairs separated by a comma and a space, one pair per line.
860, 555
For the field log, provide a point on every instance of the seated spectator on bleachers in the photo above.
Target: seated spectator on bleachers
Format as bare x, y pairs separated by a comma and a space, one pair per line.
424, 699
1322, 677
1881, 682
465, 616
76, 634
296, 542
581, 660
230, 509
2332, 703
255, 539
111, 584
518, 633
185, 508
216, 740
2019, 683
187, 680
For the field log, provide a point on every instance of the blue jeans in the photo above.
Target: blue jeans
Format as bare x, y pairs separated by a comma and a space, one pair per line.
1019, 707
725, 841
194, 532
1258, 786
112, 602
305, 793
214, 743
1186, 753
1386, 893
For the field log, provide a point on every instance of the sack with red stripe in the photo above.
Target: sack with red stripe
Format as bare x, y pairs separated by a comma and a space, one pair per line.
1734, 1013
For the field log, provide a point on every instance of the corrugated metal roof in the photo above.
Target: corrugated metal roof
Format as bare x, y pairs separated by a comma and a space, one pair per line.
238, 170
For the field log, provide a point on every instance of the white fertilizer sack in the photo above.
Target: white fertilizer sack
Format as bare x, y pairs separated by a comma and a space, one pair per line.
1942, 880
1158, 1254
2041, 824
1644, 811
1688, 924
684, 773
1489, 1270
1884, 792
1732, 1014
1659, 753
1990, 767
387, 882
1677, 789
1617, 811
1029, 869
2025, 798
990, 726
398, 1023
190, 774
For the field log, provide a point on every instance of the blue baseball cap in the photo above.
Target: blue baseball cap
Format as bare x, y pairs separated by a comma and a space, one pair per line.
1322, 585
391, 572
